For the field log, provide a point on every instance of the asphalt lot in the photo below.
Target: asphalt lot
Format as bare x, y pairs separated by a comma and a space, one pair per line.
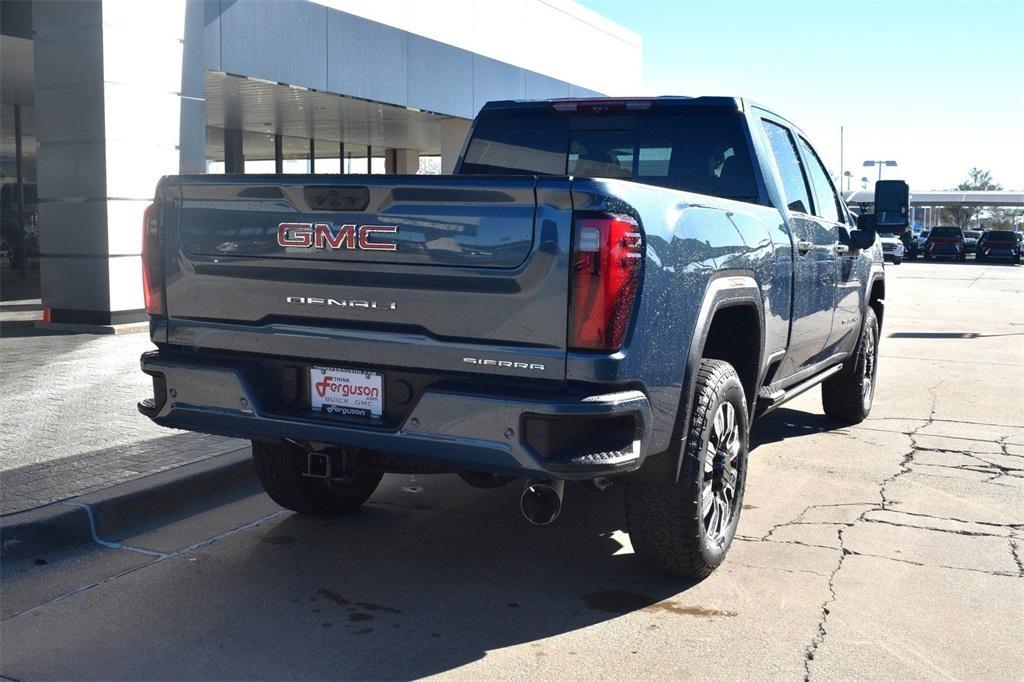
894, 549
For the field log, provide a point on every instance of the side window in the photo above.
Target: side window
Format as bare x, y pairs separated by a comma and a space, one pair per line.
793, 182
826, 203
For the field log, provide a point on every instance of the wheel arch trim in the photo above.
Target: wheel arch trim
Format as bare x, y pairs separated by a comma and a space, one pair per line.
725, 289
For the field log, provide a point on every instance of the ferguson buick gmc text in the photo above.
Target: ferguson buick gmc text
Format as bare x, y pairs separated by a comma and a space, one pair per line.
606, 291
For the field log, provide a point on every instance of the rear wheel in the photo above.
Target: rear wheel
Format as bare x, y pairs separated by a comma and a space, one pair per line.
686, 528
280, 467
848, 395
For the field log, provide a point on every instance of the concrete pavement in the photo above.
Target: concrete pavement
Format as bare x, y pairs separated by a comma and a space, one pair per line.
68, 423
893, 549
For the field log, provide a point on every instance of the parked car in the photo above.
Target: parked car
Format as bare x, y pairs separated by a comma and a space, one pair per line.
971, 238
945, 242
999, 245
19, 232
892, 247
606, 290
919, 241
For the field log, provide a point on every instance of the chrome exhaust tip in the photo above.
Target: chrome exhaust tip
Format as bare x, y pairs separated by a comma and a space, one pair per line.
541, 501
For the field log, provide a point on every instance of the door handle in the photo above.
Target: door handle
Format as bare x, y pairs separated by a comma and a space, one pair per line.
842, 248
803, 246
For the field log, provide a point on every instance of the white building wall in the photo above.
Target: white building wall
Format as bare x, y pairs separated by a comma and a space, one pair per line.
557, 38
108, 84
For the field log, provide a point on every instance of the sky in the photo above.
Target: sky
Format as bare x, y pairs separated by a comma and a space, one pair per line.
936, 85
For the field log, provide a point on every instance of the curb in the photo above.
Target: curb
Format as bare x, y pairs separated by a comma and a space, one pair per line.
74, 328
105, 516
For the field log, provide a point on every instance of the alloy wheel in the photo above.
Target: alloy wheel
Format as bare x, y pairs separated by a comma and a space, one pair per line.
870, 366
721, 473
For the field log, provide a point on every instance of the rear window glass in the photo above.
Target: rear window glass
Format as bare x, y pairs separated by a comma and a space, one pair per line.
698, 152
946, 232
1001, 236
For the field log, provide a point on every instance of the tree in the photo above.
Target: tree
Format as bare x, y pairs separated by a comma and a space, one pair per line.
977, 180
1002, 218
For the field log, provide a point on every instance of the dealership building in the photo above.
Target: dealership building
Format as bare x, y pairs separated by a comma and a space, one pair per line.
100, 98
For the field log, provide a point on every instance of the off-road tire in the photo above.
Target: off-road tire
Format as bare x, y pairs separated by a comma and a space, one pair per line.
844, 396
280, 468
665, 521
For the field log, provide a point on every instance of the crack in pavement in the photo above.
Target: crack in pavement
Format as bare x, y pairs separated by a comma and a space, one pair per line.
1016, 554
978, 462
819, 636
951, 531
904, 467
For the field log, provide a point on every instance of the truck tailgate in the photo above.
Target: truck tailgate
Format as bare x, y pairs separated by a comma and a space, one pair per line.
445, 273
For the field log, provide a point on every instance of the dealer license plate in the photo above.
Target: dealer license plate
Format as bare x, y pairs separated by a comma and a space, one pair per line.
346, 392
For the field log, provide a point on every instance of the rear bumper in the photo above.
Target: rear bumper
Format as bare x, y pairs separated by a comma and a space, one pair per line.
1002, 254
945, 250
522, 435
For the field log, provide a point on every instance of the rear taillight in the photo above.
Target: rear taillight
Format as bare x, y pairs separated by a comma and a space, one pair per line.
152, 263
606, 263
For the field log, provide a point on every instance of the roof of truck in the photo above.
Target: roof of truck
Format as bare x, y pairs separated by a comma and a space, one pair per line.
661, 102
635, 103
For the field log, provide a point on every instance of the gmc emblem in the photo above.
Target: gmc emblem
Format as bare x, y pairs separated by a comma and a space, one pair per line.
327, 236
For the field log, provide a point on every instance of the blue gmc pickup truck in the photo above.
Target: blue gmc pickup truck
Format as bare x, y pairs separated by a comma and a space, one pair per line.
607, 290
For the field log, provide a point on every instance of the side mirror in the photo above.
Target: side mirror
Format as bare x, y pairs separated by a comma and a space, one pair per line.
861, 238
892, 205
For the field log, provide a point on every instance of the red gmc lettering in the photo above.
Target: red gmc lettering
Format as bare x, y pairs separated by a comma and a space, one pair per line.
295, 234
364, 237
326, 237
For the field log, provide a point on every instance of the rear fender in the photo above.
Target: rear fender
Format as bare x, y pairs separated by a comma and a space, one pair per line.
724, 290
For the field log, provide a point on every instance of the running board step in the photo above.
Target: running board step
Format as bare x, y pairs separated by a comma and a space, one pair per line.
769, 398
769, 395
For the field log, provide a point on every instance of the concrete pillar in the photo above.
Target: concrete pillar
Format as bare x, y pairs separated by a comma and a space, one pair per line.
109, 86
234, 152
407, 161
453, 135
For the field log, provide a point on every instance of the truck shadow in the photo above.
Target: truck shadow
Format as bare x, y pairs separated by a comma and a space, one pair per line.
785, 423
442, 576
429, 576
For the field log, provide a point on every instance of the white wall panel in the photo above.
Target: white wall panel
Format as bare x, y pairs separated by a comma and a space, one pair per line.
545, 36
366, 59
278, 41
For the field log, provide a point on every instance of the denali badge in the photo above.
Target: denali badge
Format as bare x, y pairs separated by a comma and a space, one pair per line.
504, 363
327, 236
344, 303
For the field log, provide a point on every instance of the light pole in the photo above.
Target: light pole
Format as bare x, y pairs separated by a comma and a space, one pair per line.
847, 175
880, 163
864, 182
